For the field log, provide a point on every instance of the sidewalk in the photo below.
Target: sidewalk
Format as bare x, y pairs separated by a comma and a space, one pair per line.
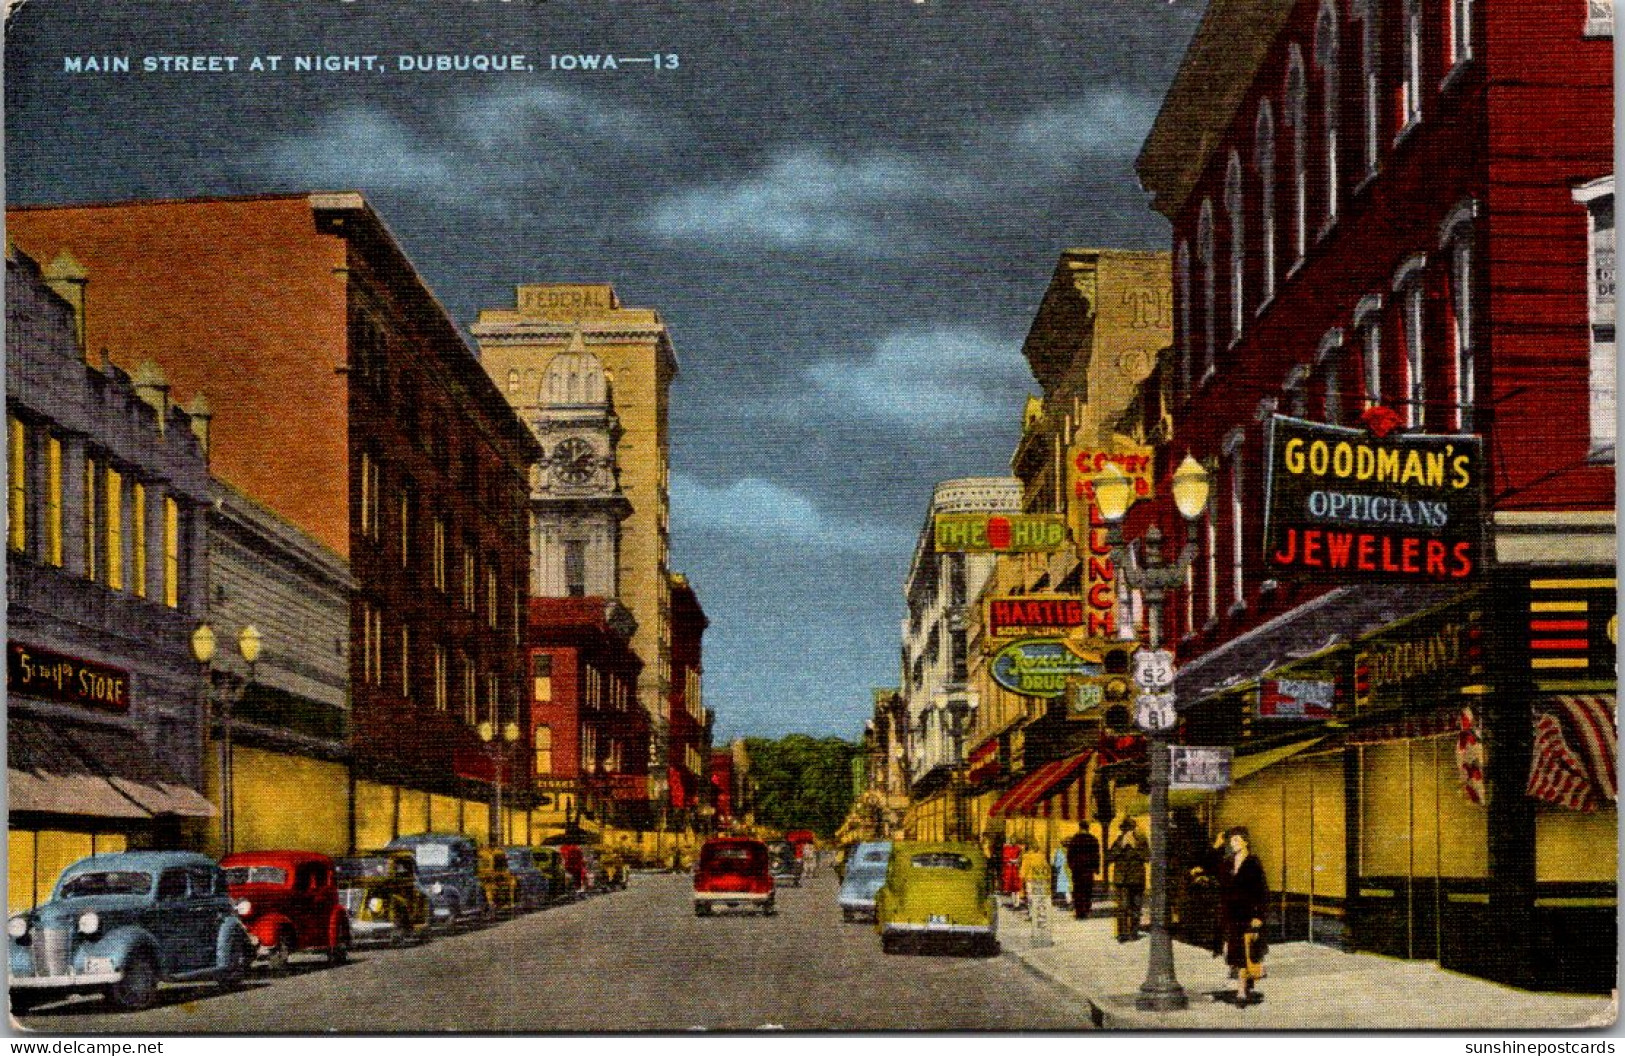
1309, 987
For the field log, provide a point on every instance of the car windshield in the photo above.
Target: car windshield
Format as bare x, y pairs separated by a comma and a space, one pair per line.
355, 868
940, 860
109, 883
878, 857
434, 855
519, 859
256, 874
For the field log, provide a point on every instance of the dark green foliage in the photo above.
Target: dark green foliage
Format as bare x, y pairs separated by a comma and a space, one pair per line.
801, 782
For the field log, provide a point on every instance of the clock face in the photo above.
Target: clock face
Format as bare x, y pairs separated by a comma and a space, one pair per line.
573, 461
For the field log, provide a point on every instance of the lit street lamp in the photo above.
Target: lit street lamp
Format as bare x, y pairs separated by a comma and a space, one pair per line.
1161, 991
495, 835
203, 650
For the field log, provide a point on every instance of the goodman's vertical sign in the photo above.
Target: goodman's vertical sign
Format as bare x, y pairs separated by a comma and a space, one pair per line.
1346, 505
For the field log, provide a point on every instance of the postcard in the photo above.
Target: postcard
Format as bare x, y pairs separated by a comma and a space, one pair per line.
614, 516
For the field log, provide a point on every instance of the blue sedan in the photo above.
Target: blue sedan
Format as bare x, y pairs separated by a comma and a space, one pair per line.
865, 875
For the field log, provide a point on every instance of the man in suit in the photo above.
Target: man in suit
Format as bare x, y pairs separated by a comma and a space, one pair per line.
1128, 858
1083, 861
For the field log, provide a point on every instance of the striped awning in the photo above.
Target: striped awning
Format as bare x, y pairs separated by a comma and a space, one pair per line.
1024, 798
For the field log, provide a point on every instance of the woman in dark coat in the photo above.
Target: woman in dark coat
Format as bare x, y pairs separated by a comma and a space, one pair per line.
1244, 897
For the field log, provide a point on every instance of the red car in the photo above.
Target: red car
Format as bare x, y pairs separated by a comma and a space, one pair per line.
733, 871
289, 901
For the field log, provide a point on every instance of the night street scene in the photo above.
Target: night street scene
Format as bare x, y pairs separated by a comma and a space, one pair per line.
536, 517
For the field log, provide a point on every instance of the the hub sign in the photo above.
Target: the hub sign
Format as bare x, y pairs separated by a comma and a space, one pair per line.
1000, 533
1345, 505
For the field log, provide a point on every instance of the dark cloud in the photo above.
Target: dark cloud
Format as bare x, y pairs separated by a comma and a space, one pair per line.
846, 211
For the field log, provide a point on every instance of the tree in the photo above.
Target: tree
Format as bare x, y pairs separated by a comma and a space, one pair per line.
802, 782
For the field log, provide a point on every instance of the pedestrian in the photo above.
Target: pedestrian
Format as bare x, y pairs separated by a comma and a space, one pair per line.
1083, 861
1010, 880
1128, 858
1243, 898
1035, 878
1061, 888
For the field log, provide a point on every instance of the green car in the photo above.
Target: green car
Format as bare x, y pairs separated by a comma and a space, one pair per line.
937, 892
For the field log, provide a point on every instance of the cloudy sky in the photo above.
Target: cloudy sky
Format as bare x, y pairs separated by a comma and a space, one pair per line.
846, 210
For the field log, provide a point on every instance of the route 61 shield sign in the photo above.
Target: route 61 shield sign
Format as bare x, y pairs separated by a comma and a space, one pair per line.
1155, 711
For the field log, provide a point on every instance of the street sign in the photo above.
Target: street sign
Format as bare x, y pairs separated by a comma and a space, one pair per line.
1154, 712
1153, 670
1198, 769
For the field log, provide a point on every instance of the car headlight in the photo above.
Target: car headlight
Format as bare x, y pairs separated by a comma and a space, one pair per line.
244, 908
89, 923
375, 904
436, 887
17, 927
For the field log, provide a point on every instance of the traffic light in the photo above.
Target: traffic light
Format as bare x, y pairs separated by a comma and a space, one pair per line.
1096, 696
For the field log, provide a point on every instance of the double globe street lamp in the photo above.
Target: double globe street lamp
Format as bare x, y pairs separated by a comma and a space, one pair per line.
203, 651
1114, 494
509, 733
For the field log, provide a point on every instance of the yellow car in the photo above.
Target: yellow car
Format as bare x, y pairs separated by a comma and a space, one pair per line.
937, 892
500, 885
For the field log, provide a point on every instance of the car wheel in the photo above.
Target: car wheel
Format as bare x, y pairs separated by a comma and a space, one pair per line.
276, 958
339, 952
769, 910
891, 944
139, 987
238, 959
400, 929
24, 1003
701, 909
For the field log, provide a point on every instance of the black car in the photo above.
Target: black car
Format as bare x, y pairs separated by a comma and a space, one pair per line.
783, 863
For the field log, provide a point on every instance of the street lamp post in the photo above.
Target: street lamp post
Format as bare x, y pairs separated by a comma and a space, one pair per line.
203, 651
958, 712
1161, 991
488, 732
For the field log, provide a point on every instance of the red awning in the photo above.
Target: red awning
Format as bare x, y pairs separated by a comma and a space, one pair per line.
1023, 798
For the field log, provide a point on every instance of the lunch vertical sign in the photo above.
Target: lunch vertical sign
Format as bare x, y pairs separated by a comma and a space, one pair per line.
1347, 505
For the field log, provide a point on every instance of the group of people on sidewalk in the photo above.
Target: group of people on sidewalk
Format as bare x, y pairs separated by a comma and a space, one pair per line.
1222, 906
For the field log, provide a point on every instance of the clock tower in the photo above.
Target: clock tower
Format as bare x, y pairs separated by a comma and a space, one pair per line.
576, 503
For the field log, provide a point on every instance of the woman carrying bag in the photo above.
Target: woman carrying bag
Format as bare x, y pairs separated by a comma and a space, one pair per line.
1244, 898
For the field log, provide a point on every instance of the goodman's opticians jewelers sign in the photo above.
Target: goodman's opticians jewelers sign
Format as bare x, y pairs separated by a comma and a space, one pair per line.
1346, 505
1040, 667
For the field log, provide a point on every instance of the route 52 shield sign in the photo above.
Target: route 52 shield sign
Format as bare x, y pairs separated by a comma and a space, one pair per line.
1153, 670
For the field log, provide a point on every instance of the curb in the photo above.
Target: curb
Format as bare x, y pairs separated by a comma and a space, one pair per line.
1097, 1015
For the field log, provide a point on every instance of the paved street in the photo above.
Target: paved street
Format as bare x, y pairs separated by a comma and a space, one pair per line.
632, 960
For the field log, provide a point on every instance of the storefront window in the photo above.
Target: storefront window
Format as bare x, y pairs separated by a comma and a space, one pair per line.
172, 553
53, 502
115, 529
17, 494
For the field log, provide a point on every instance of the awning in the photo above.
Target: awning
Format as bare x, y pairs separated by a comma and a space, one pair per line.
99, 771
1025, 795
1245, 766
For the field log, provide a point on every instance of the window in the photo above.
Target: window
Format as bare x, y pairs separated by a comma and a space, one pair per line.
470, 576
92, 535
439, 553
441, 697
372, 644
1598, 198
471, 703
115, 529
513, 382
1183, 276
1238, 244
1210, 562
406, 661
1456, 240
172, 553
1410, 85
541, 678
544, 750
1206, 256
1408, 288
493, 710
575, 568
1233, 457
1368, 327
1370, 99
1330, 363
1297, 119
138, 537
1264, 163
1331, 98
1461, 31
491, 600
1599, 18
403, 506
17, 477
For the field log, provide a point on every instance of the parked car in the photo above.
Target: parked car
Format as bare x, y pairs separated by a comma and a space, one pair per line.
865, 874
937, 891
550, 860
498, 882
288, 901
534, 886
448, 872
785, 864
379, 889
122, 924
733, 871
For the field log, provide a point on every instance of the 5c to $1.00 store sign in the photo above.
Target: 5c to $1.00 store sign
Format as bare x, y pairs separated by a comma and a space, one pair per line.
1345, 505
